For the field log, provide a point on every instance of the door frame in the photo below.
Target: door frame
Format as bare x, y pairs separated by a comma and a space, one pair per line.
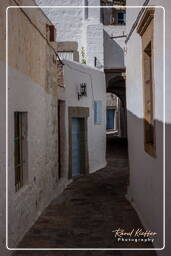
78, 112
61, 138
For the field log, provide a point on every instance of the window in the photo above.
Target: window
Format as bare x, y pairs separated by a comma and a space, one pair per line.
145, 29
20, 148
121, 17
86, 10
98, 112
51, 30
117, 17
110, 119
116, 14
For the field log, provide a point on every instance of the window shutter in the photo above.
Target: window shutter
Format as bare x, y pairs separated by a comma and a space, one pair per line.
98, 112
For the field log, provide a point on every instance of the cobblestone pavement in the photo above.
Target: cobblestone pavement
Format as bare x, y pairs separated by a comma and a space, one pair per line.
85, 214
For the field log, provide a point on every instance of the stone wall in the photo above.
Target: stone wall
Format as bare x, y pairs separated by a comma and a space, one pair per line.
65, 19
87, 31
34, 74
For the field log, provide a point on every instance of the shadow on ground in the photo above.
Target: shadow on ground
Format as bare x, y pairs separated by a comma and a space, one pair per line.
85, 214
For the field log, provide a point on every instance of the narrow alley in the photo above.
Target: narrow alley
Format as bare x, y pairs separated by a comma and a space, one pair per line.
83, 123
88, 210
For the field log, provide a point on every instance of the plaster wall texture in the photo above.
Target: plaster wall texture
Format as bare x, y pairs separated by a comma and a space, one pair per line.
114, 56
33, 76
34, 60
94, 45
65, 19
86, 31
167, 5
146, 173
136, 11
94, 13
115, 30
74, 74
43, 183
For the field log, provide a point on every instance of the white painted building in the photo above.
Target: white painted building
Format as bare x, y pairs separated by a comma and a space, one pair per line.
81, 25
92, 108
145, 115
91, 28
99, 35
113, 114
33, 73
54, 115
56, 128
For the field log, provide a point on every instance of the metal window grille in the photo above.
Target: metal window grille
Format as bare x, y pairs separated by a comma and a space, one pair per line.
66, 55
20, 140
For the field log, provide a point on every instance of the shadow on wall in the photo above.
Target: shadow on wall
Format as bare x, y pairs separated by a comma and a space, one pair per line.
167, 251
145, 189
116, 85
113, 53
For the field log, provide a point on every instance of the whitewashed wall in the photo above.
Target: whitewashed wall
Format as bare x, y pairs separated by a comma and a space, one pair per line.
114, 56
33, 79
167, 6
2, 163
43, 183
88, 31
146, 173
68, 21
74, 74
72, 25
94, 44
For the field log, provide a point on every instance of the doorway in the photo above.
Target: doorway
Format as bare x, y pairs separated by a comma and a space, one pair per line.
78, 144
110, 124
61, 138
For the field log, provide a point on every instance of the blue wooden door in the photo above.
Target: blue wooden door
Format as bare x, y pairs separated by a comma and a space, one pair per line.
110, 119
76, 146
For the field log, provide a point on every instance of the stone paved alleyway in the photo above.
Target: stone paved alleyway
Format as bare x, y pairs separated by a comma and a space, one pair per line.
85, 214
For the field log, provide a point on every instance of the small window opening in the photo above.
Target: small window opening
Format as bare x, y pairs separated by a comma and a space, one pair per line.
20, 149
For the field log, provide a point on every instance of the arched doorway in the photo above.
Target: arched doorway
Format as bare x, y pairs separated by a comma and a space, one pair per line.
116, 86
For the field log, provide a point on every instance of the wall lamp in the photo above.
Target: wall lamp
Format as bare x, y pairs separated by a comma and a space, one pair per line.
82, 90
